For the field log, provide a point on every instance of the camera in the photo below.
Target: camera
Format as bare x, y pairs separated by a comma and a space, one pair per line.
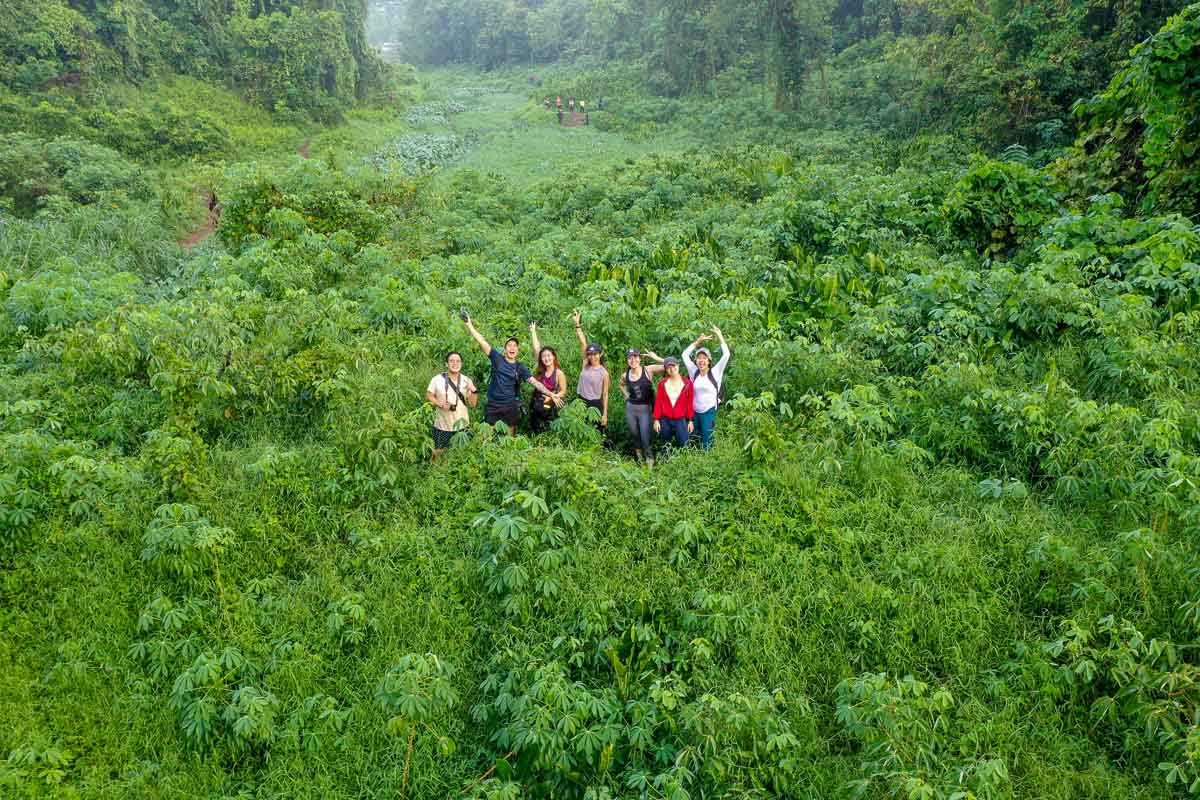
463, 315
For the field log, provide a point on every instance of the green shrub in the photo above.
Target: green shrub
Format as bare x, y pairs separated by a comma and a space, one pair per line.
998, 205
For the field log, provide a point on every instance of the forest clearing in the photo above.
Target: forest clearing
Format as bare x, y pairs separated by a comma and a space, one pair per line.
941, 263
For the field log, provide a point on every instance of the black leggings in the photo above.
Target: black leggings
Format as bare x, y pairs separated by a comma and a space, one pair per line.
540, 416
640, 421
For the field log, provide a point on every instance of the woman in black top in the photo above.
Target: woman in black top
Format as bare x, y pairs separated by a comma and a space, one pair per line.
639, 401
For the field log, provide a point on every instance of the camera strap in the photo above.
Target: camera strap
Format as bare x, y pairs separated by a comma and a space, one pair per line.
454, 386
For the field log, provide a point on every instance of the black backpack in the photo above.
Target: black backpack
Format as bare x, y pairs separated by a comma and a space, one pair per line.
719, 384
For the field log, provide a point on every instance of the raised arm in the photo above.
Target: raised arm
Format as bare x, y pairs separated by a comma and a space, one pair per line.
478, 337
537, 344
579, 335
653, 369
688, 364
719, 369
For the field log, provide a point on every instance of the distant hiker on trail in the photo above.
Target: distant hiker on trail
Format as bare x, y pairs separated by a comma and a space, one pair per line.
450, 393
583, 110
707, 383
504, 388
571, 105
560, 116
558, 102
542, 408
546, 104
673, 406
594, 381
638, 390
600, 104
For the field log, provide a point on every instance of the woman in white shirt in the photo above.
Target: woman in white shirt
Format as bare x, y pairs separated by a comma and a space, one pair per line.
707, 378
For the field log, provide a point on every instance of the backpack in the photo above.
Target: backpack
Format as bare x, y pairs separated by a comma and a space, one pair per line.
720, 385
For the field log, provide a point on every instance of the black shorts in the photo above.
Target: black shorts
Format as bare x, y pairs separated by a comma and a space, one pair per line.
509, 415
441, 439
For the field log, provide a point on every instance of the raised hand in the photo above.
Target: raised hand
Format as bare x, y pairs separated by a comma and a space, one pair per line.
575, 316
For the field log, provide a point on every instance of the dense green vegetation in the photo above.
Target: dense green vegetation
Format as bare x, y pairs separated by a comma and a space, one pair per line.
1001, 71
947, 542
309, 56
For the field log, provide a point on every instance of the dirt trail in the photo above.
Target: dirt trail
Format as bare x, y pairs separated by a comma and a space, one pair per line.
572, 119
208, 226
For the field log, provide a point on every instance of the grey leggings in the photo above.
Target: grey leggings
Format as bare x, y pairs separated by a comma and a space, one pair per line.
640, 420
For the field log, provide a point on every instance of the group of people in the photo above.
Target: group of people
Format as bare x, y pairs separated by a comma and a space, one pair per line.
558, 106
684, 402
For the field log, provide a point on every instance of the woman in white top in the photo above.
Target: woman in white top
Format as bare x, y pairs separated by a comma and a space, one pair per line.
706, 383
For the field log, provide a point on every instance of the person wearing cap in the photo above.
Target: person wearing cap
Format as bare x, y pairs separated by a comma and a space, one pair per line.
673, 405
638, 390
594, 382
504, 389
706, 383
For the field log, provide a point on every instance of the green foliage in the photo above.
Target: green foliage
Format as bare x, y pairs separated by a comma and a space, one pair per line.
997, 206
183, 545
36, 172
940, 459
910, 732
299, 56
1142, 133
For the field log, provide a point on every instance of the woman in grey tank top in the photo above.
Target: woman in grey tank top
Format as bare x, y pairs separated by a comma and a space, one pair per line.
594, 381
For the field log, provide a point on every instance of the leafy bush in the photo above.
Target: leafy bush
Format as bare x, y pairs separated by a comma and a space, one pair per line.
997, 205
34, 170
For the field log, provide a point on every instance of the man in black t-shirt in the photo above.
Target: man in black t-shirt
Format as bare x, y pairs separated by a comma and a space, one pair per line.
504, 388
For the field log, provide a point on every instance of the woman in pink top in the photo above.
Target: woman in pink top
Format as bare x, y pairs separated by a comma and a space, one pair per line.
543, 409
